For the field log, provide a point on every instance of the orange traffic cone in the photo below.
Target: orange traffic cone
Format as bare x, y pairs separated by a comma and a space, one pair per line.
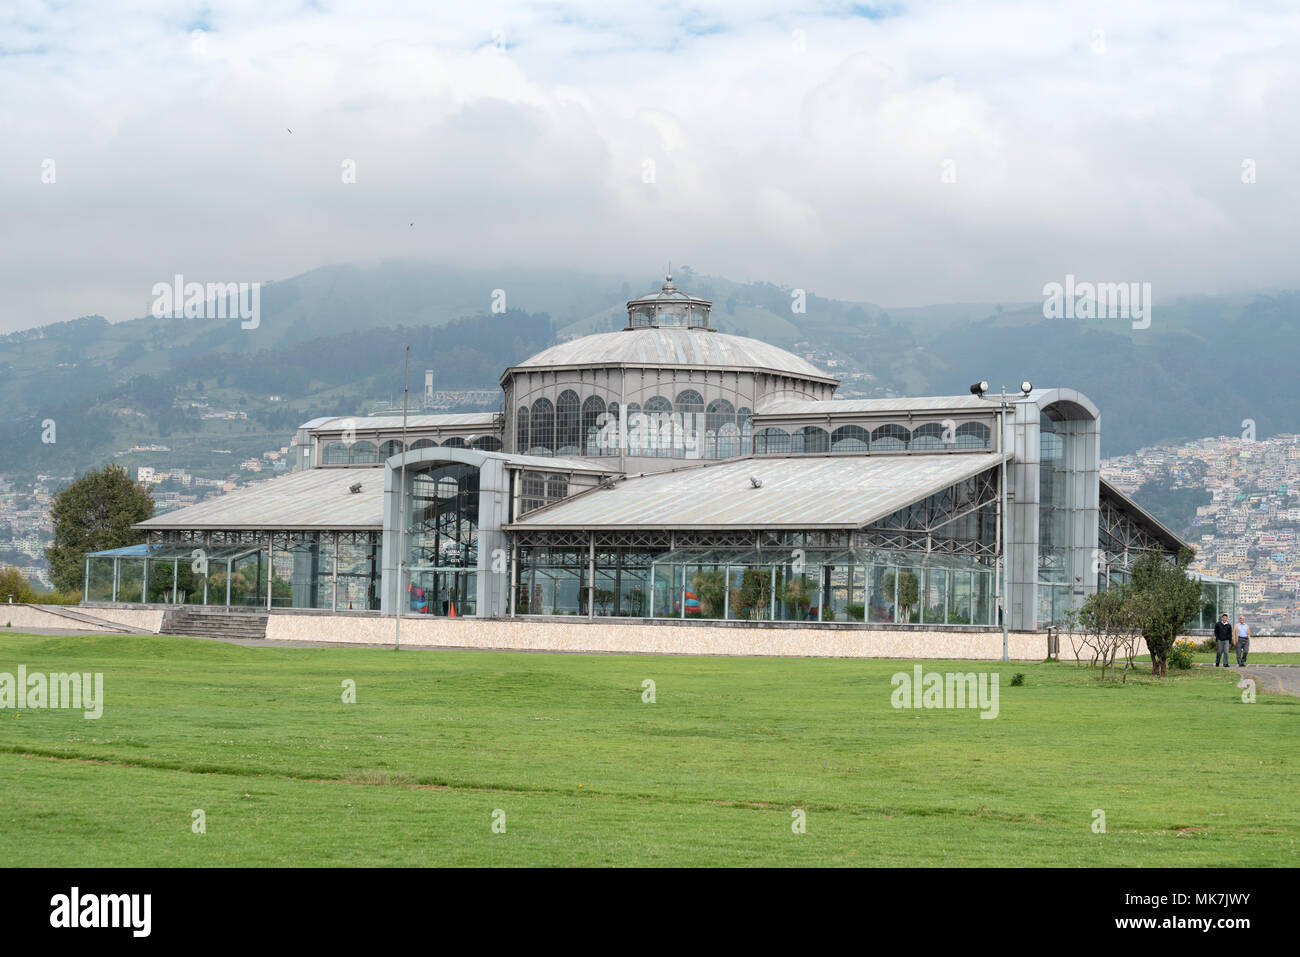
452, 606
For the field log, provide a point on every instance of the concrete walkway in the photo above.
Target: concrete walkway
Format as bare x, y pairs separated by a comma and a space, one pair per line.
1275, 679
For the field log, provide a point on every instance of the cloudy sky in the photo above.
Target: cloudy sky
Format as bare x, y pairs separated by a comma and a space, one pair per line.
903, 153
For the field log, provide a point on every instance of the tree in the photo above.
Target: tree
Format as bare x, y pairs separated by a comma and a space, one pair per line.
754, 596
909, 592
799, 595
15, 583
710, 588
1164, 600
1104, 626
94, 513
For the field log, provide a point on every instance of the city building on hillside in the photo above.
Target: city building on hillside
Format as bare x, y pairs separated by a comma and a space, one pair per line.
668, 470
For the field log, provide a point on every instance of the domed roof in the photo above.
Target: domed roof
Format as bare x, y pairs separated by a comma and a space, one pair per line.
674, 346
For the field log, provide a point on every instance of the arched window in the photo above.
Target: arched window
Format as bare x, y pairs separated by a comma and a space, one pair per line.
928, 436
455, 442
423, 444
810, 440
850, 438
658, 431
973, 435
557, 487
593, 440
521, 430
389, 449
720, 414
363, 453
486, 443
772, 442
336, 453
745, 419
890, 438
542, 428
568, 423
688, 400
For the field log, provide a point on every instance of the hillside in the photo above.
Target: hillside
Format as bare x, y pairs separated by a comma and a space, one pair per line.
330, 342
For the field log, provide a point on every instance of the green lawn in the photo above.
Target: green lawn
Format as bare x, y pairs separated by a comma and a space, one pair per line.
587, 774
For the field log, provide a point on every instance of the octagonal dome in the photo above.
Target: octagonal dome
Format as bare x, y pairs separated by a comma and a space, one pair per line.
674, 346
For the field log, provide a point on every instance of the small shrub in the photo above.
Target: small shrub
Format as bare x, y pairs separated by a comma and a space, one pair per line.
856, 612
1017, 679
1206, 645
1182, 653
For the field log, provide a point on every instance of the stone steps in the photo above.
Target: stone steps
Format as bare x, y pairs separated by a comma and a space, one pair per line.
207, 623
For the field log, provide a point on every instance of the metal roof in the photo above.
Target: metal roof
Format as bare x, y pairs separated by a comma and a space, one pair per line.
1139, 514
314, 499
926, 404
320, 498
674, 346
804, 491
551, 462
667, 293
369, 423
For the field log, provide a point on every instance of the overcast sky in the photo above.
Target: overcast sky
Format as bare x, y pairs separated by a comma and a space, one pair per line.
804, 144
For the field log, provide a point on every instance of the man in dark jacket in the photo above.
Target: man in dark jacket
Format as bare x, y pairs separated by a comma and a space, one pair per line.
1222, 640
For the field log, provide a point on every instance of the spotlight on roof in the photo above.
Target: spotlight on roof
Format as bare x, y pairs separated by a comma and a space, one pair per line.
755, 481
1026, 387
355, 488
979, 388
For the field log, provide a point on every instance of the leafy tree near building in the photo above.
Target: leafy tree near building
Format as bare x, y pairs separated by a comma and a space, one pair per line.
95, 512
13, 583
1163, 600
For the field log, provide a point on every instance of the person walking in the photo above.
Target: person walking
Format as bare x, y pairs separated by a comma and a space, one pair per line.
1243, 640
1222, 640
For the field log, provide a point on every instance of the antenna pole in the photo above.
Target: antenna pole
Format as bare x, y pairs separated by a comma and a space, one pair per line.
402, 598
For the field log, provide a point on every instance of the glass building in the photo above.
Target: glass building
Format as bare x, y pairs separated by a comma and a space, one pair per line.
670, 471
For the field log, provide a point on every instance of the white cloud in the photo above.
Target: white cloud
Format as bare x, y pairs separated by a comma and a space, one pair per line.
519, 133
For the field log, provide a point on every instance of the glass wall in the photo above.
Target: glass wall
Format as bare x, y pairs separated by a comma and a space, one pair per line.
442, 541
202, 573
749, 585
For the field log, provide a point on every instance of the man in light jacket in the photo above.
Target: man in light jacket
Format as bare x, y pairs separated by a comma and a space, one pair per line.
1243, 640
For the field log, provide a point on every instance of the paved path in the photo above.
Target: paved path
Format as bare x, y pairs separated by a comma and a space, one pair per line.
1277, 679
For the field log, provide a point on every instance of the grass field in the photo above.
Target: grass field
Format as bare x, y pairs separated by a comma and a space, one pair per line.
587, 774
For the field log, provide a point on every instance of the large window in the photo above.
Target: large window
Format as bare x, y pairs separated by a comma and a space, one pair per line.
363, 453
928, 436
657, 428
850, 438
810, 439
542, 428
890, 438
568, 424
593, 412
336, 453
442, 541
772, 442
973, 435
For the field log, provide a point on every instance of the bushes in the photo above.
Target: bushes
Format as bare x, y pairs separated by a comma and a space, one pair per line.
1182, 653
15, 583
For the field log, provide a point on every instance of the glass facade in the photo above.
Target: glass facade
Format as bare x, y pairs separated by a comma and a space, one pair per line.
742, 585
296, 568
859, 439
441, 561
